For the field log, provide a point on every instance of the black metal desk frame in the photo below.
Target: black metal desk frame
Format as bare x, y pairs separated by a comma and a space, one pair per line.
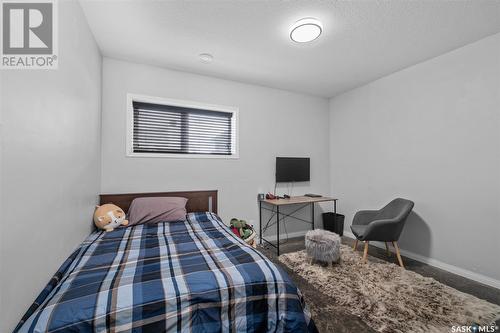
278, 214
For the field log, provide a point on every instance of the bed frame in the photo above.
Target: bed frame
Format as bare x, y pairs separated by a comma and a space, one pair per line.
198, 201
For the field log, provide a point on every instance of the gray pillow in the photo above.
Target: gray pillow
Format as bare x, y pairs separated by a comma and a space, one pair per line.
157, 209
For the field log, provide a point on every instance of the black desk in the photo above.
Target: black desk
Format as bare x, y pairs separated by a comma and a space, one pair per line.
277, 203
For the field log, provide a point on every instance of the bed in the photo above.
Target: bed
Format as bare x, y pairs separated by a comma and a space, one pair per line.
184, 276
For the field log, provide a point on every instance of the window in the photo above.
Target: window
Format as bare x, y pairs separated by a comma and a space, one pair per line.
171, 128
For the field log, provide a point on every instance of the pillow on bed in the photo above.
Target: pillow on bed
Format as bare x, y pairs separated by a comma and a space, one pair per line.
157, 209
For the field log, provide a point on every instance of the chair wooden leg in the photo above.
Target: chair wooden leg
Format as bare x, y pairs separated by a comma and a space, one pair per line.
355, 247
365, 253
387, 248
400, 260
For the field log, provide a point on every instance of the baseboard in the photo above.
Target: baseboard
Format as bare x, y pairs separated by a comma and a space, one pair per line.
272, 238
442, 265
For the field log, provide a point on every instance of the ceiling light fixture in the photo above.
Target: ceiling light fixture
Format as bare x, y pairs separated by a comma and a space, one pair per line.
306, 30
206, 58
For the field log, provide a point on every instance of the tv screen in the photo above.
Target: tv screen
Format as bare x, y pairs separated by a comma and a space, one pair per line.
292, 169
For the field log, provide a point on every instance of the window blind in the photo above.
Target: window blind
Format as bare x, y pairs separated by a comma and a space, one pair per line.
181, 130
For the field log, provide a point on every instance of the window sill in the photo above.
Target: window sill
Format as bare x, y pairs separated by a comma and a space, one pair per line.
183, 156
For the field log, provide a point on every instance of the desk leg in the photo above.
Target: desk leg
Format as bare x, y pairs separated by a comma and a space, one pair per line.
260, 221
312, 210
278, 230
335, 210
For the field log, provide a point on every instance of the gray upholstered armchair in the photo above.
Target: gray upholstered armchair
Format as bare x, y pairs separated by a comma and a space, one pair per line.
384, 225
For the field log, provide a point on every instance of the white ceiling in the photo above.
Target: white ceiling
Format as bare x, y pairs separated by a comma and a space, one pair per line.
361, 41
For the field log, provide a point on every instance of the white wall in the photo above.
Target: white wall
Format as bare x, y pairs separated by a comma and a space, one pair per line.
50, 144
271, 123
430, 133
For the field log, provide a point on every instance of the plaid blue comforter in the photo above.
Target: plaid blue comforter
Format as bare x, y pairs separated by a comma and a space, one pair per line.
192, 275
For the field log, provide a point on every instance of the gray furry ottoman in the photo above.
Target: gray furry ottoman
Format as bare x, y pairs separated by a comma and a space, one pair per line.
323, 246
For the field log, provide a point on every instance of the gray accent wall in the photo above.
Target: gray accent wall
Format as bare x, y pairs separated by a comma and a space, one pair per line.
50, 163
429, 133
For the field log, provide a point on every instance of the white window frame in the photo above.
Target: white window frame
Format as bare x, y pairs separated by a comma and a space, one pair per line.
181, 103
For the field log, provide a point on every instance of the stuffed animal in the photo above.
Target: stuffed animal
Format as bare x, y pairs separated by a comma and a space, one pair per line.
109, 216
244, 231
235, 231
238, 225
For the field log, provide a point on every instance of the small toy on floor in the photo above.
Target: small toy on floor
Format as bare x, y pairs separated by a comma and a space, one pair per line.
244, 231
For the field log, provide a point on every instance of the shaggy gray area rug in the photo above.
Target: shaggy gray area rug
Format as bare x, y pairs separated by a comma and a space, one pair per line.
389, 298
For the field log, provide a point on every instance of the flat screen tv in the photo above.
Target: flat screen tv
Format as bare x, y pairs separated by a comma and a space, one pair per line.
292, 169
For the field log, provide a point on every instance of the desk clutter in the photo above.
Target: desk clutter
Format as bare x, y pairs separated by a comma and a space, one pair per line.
271, 196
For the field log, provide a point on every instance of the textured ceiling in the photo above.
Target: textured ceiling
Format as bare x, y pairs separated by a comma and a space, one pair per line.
362, 40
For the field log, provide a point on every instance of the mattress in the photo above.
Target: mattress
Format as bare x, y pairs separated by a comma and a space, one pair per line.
185, 276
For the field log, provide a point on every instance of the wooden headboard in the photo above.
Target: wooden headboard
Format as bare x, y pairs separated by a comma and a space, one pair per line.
198, 201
